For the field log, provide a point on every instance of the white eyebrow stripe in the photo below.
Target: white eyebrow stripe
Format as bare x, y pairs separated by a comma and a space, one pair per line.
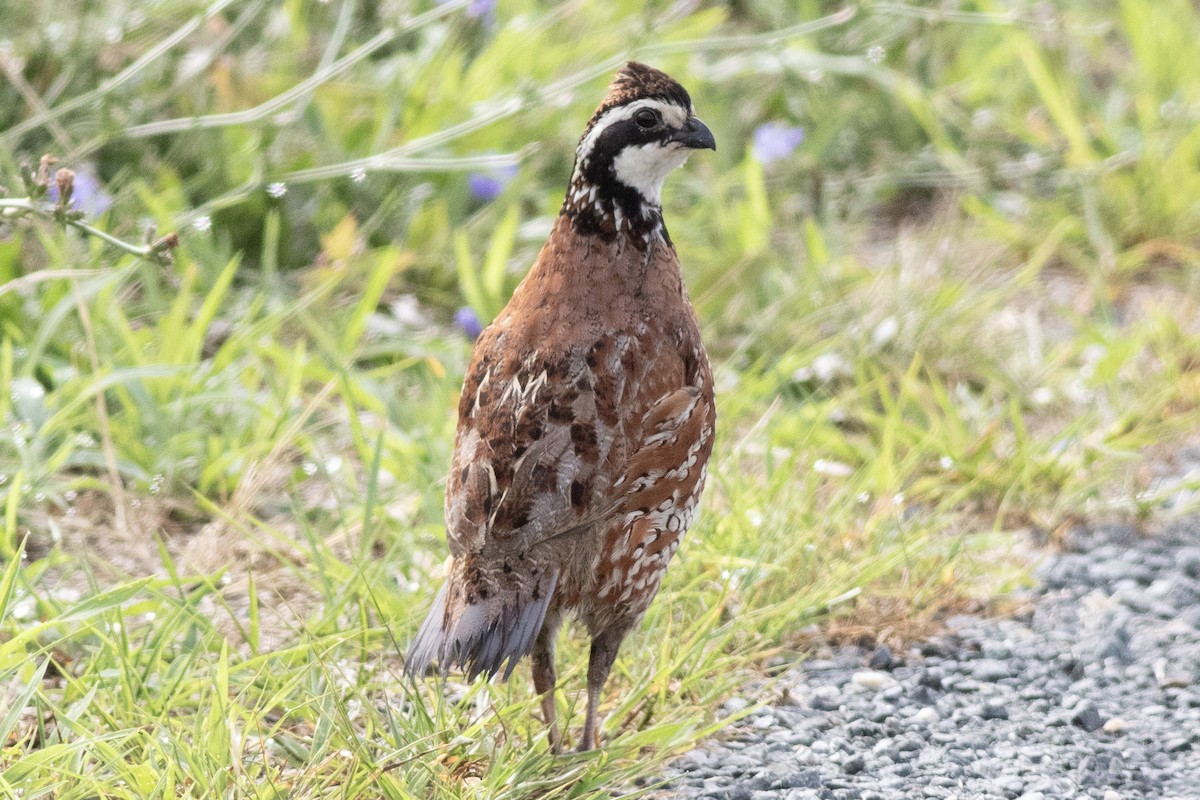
673, 114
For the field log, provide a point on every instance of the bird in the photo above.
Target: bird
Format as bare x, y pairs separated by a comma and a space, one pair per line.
586, 419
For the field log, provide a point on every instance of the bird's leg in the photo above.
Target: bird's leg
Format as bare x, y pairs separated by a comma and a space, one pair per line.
544, 676
604, 652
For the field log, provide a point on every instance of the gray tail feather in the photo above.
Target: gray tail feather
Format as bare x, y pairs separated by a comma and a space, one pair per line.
483, 637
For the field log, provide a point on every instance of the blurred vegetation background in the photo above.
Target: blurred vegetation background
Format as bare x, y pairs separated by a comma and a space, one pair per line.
945, 260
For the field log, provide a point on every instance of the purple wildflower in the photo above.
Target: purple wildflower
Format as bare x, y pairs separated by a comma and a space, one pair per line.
468, 321
487, 186
88, 195
482, 8
776, 140
478, 9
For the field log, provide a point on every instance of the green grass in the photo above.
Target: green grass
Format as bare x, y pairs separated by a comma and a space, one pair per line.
962, 311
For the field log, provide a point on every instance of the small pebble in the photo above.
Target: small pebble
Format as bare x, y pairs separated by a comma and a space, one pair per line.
926, 716
881, 658
994, 711
735, 704
873, 680
825, 698
991, 670
1088, 718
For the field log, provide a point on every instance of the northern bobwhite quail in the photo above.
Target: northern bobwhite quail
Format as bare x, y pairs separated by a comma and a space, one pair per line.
586, 419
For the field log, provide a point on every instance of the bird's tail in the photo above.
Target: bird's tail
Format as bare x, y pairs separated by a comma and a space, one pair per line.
484, 636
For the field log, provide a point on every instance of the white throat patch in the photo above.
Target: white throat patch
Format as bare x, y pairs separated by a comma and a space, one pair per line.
645, 167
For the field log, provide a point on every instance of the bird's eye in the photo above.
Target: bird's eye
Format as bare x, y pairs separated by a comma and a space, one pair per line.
646, 118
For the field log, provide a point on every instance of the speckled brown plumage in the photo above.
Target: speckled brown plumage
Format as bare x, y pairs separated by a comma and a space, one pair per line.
586, 419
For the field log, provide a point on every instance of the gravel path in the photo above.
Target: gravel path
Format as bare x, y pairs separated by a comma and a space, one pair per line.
1094, 693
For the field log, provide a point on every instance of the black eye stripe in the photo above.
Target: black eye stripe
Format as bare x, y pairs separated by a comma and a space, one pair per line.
623, 133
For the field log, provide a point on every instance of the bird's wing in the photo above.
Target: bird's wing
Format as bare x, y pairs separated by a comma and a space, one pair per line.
670, 461
556, 446
540, 443
529, 458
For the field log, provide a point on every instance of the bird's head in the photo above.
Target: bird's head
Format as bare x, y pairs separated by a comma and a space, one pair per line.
645, 127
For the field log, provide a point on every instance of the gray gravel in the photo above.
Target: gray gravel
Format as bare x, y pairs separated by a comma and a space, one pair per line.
1093, 693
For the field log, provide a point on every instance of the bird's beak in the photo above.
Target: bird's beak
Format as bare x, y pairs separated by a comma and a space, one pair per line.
694, 134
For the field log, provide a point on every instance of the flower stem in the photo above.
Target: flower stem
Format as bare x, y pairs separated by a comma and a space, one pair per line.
158, 251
